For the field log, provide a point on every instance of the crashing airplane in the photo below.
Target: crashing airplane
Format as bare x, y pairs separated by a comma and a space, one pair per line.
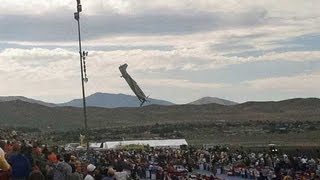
133, 84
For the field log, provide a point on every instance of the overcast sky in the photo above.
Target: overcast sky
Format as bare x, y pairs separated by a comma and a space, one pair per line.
177, 50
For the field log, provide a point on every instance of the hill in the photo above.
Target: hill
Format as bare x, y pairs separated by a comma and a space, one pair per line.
108, 100
289, 122
21, 113
209, 100
22, 98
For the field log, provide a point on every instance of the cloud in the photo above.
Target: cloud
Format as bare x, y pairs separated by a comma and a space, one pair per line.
226, 28
181, 83
60, 25
36, 54
56, 73
38, 48
303, 85
62, 61
37, 64
297, 7
49, 27
94, 7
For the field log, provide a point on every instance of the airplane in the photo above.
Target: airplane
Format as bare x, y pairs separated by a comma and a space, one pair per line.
133, 84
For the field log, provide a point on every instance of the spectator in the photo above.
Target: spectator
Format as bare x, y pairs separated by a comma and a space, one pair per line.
110, 174
63, 170
20, 164
120, 174
90, 172
4, 165
36, 174
76, 171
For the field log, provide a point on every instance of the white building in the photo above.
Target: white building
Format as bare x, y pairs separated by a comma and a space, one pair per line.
172, 143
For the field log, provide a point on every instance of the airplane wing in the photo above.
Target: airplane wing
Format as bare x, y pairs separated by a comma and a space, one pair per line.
133, 84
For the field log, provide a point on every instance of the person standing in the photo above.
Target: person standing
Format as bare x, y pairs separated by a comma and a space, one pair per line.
63, 170
36, 174
120, 174
110, 174
21, 166
90, 172
76, 171
4, 166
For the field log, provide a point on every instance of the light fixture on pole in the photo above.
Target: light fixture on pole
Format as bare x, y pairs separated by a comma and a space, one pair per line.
83, 56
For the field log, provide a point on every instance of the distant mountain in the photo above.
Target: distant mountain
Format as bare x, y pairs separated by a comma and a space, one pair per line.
209, 100
108, 100
21, 98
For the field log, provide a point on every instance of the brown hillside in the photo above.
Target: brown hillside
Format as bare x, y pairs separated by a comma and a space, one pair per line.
19, 113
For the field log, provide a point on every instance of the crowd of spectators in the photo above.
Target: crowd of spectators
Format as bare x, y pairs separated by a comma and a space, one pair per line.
263, 164
30, 160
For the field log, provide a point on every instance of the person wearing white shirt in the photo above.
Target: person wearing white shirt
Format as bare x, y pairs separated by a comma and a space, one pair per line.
90, 171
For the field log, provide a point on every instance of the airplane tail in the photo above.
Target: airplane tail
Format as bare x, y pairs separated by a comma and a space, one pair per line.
148, 98
144, 100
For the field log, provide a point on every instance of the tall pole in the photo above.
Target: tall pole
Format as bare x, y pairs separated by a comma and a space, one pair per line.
82, 67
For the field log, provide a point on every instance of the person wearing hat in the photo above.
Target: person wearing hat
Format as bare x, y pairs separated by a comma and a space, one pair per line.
90, 172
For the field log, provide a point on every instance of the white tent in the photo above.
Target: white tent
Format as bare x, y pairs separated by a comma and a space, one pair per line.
172, 143
95, 145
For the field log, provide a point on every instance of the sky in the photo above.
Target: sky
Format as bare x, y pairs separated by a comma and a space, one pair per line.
177, 50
